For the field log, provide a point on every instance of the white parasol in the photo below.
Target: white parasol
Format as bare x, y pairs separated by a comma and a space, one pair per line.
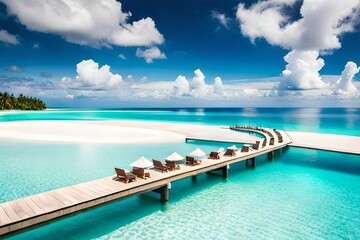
142, 163
220, 150
198, 153
233, 147
174, 157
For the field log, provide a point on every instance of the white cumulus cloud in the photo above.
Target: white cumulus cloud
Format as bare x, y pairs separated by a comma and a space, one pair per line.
197, 87
90, 76
8, 38
302, 71
319, 27
94, 84
316, 32
181, 86
92, 23
344, 84
150, 54
218, 86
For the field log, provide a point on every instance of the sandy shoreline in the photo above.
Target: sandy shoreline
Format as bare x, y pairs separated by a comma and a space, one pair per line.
132, 132
121, 132
331, 142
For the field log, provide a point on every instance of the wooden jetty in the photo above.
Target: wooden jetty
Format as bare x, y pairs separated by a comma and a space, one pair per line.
39, 208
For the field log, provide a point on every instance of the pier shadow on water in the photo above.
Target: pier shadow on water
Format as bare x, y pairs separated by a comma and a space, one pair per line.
332, 161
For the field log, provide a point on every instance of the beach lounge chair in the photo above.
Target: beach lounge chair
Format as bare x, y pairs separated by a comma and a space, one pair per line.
140, 172
214, 155
264, 142
172, 165
127, 177
159, 165
272, 141
256, 145
230, 152
279, 136
245, 149
192, 161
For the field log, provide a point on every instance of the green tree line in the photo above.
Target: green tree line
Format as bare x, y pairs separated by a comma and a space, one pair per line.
9, 102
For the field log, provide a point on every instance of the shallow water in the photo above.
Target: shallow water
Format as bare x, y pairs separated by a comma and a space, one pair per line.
303, 194
324, 120
30, 168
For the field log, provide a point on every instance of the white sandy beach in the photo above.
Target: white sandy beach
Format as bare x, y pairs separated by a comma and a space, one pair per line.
340, 143
132, 132
115, 132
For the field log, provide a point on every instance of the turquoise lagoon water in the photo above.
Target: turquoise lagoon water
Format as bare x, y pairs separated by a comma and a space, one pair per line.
30, 168
303, 194
323, 120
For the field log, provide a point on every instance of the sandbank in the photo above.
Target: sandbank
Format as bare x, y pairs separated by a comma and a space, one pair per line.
330, 142
122, 132
138, 132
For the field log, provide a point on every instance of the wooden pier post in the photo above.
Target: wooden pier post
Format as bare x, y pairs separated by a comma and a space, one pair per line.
253, 162
164, 193
225, 171
271, 155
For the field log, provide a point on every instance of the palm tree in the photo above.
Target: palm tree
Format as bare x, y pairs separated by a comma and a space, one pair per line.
22, 102
6, 101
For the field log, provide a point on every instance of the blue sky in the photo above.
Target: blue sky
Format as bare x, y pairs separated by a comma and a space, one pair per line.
38, 51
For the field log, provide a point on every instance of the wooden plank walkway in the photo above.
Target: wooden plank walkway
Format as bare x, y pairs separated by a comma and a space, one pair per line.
42, 207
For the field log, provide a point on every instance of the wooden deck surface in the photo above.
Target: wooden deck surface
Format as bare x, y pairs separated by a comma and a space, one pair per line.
31, 210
